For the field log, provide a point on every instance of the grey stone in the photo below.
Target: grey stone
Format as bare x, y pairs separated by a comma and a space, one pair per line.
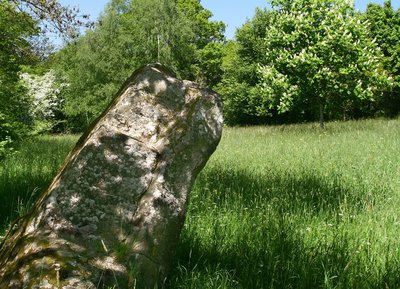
113, 215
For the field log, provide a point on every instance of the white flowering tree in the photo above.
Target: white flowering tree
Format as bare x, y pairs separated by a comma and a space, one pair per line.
21, 22
46, 101
319, 52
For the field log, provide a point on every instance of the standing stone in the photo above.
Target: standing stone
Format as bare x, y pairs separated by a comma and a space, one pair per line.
112, 216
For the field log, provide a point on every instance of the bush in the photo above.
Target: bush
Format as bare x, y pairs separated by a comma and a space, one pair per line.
10, 131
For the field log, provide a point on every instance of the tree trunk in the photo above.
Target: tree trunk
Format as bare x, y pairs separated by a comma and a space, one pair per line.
321, 115
113, 215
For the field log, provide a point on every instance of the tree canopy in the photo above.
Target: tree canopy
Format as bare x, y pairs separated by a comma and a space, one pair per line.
301, 60
240, 77
384, 26
132, 33
52, 16
311, 56
15, 28
20, 22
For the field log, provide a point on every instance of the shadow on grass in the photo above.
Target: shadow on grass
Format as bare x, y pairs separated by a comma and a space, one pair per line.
26, 173
282, 262
287, 191
279, 257
18, 193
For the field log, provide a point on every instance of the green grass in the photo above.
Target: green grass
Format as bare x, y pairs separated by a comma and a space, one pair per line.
27, 172
294, 207
275, 207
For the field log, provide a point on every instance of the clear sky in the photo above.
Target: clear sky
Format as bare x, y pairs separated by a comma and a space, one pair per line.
232, 12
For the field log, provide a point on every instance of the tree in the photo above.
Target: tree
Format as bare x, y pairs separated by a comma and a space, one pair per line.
384, 27
319, 53
238, 87
209, 64
15, 50
205, 67
52, 16
45, 100
206, 31
131, 33
20, 22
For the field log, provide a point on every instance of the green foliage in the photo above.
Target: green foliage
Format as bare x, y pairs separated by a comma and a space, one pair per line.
238, 86
384, 27
10, 131
45, 101
301, 60
209, 67
206, 31
321, 52
20, 22
128, 35
15, 50
209, 35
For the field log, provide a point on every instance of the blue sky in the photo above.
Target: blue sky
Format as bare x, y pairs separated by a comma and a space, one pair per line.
233, 12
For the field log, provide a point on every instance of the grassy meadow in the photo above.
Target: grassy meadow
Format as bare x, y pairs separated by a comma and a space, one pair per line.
275, 207
28, 171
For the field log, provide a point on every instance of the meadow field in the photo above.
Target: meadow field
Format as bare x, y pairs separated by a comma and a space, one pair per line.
275, 207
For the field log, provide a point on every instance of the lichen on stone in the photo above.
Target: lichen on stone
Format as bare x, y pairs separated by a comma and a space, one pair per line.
118, 204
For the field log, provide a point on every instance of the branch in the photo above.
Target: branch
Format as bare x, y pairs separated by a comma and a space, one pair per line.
63, 20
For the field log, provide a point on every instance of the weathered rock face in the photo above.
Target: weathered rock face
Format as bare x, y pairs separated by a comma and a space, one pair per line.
113, 215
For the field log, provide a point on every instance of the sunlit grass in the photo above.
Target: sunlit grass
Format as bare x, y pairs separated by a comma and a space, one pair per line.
294, 207
275, 207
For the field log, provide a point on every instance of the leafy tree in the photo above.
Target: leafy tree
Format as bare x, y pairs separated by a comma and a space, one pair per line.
51, 15
385, 29
209, 64
94, 65
319, 53
128, 35
131, 33
205, 67
15, 50
206, 31
238, 86
45, 100
20, 22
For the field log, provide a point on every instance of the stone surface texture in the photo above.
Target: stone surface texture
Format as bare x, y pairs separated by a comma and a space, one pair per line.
112, 216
